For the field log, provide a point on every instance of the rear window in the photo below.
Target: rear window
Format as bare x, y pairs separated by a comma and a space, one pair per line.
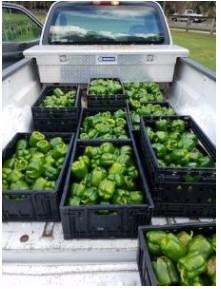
105, 24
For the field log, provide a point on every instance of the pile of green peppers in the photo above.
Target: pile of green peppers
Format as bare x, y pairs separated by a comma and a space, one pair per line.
59, 99
139, 92
149, 110
176, 146
35, 164
105, 87
182, 259
105, 125
105, 174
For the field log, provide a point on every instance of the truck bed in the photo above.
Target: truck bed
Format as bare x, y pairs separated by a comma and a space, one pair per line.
38, 250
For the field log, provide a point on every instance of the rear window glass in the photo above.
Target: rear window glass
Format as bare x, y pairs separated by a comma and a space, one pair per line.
103, 24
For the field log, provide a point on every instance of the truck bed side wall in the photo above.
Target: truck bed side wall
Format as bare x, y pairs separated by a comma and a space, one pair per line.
21, 88
193, 92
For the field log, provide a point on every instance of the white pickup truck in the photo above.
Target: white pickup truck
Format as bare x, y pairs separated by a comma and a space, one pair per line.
188, 14
130, 41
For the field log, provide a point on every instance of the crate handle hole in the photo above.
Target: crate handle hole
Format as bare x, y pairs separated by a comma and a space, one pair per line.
15, 198
105, 212
100, 229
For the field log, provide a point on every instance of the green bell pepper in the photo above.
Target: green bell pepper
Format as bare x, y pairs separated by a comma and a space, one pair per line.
159, 149
6, 173
92, 152
117, 168
126, 149
59, 151
121, 197
89, 196
124, 159
43, 146
118, 179
153, 241
106, 189
35, 169
136, 197
165, 271
37, 156
178, 156
50, 160
79, 169
9, 163
161, 136
184, 237
171, 247
150, 133
58, 92
120, 122
132, 172
129, 183
87, 180
21, 144
77, 189
35, 137
95, 163
178, 125
5, 185
190, 266
19, 185
107, 159
50, 185
200, 244
15, 176
107, 148
85, 159
93, 133
29, 181
84, 135
39, 184
50, 172
60, 162
21, 164
102, 128
23, 154
56, 141
162, 125
74, 201
118, 130
119, 113
97, 175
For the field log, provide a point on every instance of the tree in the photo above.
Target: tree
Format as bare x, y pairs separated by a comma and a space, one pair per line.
33, 5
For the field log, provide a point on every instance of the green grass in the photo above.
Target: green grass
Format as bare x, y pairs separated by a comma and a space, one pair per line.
19, 28
202, 46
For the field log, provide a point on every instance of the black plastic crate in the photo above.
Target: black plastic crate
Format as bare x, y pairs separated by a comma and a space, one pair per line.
87, 221
174, 184
130, 109
193, 210
92, 111
144, 262
174, 209
25, 205
62, 119
99, 101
